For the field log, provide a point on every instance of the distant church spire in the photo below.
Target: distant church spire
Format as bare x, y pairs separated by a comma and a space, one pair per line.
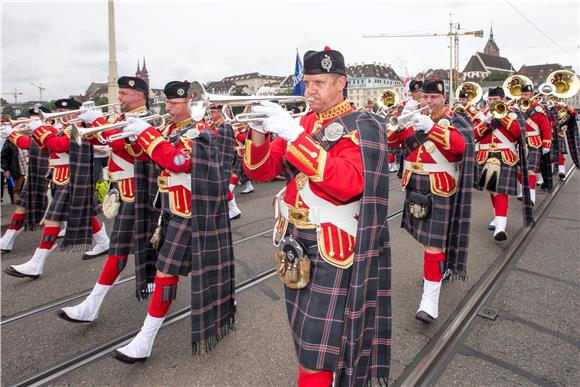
491, 47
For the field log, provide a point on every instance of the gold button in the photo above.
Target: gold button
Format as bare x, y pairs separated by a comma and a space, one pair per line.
331, 253
341, 255
299, 203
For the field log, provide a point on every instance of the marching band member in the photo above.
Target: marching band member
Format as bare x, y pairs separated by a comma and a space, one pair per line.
498, 159
32, 201
567, 131
437, 178
331, 196
136, 219
197, 238
538, 134
73, 200
238, 168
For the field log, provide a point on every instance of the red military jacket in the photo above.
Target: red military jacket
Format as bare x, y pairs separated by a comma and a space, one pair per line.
538, 130
59, 147
443, 139
175, 159
571, 111
20, 140
491, 140
122, 158
335, 175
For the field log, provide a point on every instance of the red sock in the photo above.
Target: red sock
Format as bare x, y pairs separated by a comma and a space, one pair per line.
560, 158
314, 379
501, 205
49, 235
16, 222
234, 180
533, 180
113, 267
163, 295
230, 196
492, 197
391, 158
96, 225
432, 266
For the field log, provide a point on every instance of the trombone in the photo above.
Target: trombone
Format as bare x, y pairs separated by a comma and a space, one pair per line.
78, 134
199, 102
89, 105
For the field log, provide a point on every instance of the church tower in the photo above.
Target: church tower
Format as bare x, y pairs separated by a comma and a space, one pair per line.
142, 73
491, 47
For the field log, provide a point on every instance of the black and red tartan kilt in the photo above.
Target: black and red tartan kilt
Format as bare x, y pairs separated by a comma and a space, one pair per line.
175, 254
395, 150
534, 156
508, 174
431, 231
562, 148
121, 238
59, 206
21, 199
316, 312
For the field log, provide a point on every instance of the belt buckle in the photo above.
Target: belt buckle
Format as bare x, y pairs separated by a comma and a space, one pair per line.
493, 147
162, 181
298, 216
417, 167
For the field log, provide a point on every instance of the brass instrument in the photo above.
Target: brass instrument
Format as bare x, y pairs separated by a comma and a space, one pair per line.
89, 105
566, 83
473, 90
388, 99
499, 109
512, 86
405, 120
199, 102
545, 89
78, 134
21, 121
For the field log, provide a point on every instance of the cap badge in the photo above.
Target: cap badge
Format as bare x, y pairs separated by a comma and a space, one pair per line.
192, 133
326, 63
444, 122
180, 92
64, 103
333, 131
131, 83
539, 109
439, 87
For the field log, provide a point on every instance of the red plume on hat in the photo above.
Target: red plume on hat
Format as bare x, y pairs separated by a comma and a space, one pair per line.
326, 48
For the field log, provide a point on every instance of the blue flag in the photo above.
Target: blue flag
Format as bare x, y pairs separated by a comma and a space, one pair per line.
298, 77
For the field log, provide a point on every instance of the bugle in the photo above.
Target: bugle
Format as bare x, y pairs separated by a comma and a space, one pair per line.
89, 105
200, 101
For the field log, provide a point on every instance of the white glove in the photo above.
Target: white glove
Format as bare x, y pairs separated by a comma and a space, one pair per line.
423, 123
257, 125
564, 128
135, 126
6, 130
545, 150
279, 121
410, 105
488, 117
89, 116
33, 125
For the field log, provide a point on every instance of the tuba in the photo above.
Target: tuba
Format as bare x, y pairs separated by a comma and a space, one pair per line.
565, 83
512, 86
473, 90
387, 99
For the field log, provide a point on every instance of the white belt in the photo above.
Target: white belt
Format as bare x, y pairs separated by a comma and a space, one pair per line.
322, 211
119, 175
63, 159
450, 168
509, 146
183, 179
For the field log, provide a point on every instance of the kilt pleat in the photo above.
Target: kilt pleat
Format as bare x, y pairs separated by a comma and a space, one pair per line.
534, 156
121, 238
59, 206
316, 313
507, 184
431, 231
175, 254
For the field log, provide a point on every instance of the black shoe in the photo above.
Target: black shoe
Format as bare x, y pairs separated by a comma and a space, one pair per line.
62, 314
500, 236
491, 227
238, 216
424, 316
14, 273
86, 256
126, 359
5, 251
562, 175
520, 198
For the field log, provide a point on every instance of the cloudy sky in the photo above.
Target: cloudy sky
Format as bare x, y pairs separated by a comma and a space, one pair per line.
63, 45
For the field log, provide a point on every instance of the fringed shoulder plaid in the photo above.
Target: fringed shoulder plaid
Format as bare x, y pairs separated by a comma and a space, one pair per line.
33, 196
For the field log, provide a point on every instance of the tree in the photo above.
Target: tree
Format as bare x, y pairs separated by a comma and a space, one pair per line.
100, 101
496, 76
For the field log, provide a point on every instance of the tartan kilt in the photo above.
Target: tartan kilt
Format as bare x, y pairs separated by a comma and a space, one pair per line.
316, 313
507, 184
175, 254
237, 166
431, 231
21, 199
562, 147
121, 238
395, 150
58, 208
534, 156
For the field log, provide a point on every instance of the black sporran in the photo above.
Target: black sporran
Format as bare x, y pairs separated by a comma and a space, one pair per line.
419, 204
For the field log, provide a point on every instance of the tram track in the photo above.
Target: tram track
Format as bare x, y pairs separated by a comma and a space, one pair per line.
431, 362
104, 350
55, 304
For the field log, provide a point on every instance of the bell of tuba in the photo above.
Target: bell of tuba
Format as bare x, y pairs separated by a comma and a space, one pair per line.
512, 86
566, 83
473, 90
388, 98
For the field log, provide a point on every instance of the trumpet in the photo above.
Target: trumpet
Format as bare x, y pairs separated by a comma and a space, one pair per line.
199, 102
78, 134
21, 121
406, 120
545, 89
86, 106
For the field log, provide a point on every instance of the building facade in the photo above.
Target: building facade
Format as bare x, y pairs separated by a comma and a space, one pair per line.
366, 82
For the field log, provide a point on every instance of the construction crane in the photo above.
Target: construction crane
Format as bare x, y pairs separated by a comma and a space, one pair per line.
453, 34
15, 94
40, 90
